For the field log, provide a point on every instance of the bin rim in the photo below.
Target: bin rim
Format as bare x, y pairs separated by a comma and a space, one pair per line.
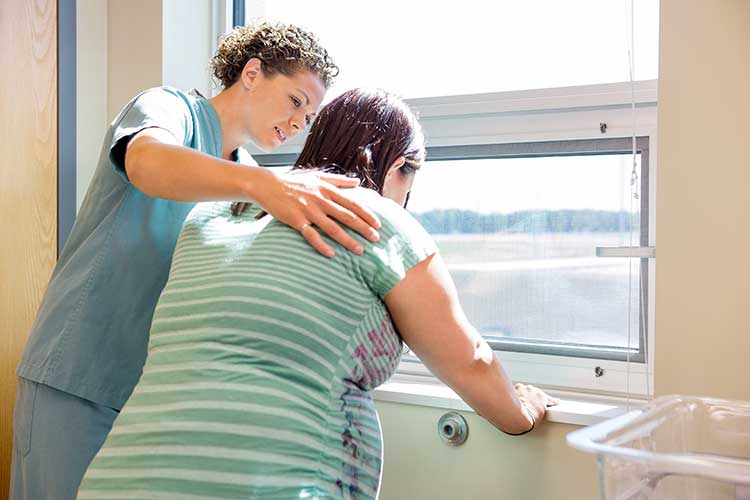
717, 467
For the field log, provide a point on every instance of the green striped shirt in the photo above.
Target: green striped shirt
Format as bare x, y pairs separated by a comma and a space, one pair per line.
260, 364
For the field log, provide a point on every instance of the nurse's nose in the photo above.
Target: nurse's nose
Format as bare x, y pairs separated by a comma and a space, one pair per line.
298, 123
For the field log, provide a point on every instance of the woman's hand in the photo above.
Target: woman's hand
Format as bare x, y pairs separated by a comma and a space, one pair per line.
535, 402
313, 198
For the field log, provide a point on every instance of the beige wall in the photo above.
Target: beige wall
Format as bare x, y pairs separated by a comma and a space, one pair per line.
153, 43
490, 465
703, 200
134, 50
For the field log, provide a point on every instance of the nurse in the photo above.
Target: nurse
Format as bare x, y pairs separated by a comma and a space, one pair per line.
166, 150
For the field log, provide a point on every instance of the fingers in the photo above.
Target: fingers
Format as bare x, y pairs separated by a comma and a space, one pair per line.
337, 180
535, 396
360, 212
347, 217
315, 240
334, 231
333, 205
341, 181
315, 199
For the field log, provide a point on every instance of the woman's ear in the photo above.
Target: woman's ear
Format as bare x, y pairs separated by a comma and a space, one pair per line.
398, 163
251, 72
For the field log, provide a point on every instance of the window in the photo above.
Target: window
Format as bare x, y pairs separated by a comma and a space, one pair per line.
532, 189
518, 226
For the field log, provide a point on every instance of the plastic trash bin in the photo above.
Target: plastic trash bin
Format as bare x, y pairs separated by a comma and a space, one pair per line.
674, 448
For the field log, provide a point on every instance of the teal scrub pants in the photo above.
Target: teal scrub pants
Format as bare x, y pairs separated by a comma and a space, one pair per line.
55, 437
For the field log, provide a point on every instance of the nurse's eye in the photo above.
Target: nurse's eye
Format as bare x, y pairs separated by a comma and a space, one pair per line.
308, 120
297, 103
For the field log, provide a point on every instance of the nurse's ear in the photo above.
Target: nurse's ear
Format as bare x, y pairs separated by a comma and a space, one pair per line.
250, 73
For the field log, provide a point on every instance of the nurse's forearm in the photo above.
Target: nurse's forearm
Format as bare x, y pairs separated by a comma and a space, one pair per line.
159, 168
182, 174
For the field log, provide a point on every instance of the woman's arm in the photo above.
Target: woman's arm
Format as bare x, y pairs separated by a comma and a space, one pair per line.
158, 166
425, 309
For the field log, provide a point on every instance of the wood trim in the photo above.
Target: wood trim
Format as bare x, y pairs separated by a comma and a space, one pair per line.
28, 186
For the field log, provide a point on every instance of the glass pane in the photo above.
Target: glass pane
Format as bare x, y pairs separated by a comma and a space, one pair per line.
519, 237
422, 48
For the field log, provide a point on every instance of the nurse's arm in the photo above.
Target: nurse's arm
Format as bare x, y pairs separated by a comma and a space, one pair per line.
425, 309
159, 166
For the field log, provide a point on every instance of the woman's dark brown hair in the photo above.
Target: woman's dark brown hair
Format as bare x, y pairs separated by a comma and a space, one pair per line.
362, 133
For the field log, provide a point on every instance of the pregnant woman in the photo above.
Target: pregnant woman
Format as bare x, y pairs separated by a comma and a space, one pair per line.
263, 352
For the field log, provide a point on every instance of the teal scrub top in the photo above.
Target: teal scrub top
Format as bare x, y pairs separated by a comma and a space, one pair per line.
90, 334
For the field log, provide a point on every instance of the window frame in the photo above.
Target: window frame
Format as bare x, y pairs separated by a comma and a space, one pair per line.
578, 147
238, 12
550, 119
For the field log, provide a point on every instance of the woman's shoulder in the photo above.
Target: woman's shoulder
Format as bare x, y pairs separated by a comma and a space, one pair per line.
382, 206
399, 228
403, 243
214, 223
217, 214
393, 217
205, 210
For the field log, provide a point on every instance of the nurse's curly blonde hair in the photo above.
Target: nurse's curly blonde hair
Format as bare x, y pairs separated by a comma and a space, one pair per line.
281, 48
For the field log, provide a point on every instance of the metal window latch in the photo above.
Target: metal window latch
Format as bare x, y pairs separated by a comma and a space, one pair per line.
633, 252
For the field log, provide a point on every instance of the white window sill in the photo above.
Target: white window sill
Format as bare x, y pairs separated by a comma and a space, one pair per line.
574, 408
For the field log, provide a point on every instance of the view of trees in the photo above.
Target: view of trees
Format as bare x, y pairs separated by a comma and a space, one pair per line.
455, 221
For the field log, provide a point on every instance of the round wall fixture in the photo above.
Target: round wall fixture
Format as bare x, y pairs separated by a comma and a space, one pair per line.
453, 428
